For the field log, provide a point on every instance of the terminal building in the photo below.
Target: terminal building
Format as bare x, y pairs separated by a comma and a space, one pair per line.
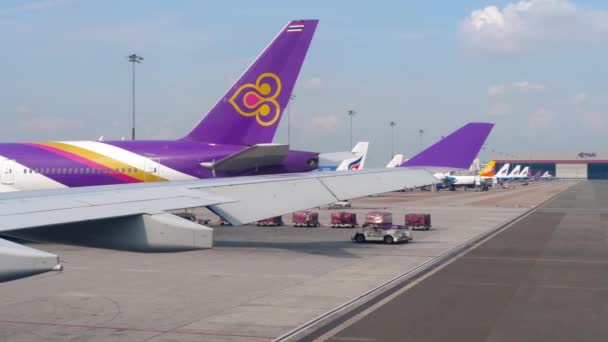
566, 165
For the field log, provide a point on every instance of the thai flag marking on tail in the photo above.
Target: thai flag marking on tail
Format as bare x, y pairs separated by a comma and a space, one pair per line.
295, 28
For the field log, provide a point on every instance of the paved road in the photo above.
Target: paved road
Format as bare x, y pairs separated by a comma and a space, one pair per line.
543, 279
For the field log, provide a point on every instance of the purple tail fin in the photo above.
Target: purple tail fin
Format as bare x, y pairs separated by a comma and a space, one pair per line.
250, 111
456, 151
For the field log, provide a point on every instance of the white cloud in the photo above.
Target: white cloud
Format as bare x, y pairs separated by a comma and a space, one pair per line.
500, 108
313, 83
521, 86
542, 118
325, 121
533, 23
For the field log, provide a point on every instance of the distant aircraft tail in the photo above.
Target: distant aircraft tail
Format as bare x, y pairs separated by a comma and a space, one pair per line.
489, 169
456, 151
525, 172
504, 170
357, 163
250, 111
396, 161
515, 171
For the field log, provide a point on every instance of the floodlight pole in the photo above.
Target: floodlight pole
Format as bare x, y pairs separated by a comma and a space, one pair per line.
351, 114
134, 58
392, 124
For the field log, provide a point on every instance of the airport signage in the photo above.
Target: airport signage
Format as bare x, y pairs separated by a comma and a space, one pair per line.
587, 155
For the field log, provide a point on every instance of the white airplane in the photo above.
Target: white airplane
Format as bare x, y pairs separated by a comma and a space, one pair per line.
341, 161
484, 177
514, 173
358, 162
396, 161
547, 176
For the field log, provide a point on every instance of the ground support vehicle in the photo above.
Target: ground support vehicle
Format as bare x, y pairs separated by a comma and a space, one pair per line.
387, 234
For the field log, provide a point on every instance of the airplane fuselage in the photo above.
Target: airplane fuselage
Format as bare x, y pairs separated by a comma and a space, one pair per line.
47, 165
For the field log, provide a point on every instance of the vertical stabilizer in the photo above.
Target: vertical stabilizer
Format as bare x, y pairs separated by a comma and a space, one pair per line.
250, 111
489, 169
456, 151
356, 163
396, 161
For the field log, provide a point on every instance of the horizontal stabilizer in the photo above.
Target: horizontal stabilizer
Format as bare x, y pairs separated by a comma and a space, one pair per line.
256, 156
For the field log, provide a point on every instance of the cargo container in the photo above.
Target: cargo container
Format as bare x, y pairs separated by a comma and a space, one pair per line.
418, 221
378, 218
271, 221
343, 219
305, 219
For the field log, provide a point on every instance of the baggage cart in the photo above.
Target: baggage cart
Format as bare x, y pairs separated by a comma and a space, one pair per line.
271, 221
343, 219
305, 218
378, 218
418, 221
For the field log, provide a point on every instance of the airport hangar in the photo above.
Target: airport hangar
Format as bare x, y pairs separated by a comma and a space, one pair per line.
565, 165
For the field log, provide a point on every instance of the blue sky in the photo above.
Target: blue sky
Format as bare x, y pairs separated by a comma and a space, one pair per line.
533, 67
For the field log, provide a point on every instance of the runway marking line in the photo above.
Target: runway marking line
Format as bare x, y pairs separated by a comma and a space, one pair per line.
538, 260
183, 332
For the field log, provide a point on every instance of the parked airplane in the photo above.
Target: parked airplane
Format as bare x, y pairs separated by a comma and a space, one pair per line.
503, 173
396, 161
514, 173
483, 179
547, 176
341, 161
234, 138
134, 217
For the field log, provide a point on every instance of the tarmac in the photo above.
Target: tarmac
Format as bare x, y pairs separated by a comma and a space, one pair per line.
257, 283
542, 279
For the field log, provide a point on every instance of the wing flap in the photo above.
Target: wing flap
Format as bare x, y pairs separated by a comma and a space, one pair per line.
261, 155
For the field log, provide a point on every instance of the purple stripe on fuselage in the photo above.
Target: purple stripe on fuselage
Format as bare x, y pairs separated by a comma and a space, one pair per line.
36, 158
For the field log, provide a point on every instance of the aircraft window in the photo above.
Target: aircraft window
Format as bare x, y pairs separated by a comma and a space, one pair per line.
46, 171
31, 171
117, 170
135, 170
53, 171
124, 170
129, 170
87, 170
64, 171
24, 170
81, 171
35, 170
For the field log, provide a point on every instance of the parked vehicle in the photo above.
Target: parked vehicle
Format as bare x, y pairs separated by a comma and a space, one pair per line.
378, 218
418, 221
343, 219
340, 205
387, 234
271, 221
305, 218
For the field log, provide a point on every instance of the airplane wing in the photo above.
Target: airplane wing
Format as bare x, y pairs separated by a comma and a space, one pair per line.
134, 216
